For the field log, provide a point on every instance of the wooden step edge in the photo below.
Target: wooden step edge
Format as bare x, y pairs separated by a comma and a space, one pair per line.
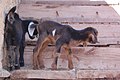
43, 74
4, 73
64, 74
98, 74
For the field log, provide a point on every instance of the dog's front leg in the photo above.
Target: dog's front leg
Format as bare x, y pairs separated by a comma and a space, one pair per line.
85, 44
70, 63
17, 53
55, 61
69, 56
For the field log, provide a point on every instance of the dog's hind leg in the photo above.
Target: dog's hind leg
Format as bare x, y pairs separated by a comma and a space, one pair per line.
35, 61
35, 55
44, 44
36, 51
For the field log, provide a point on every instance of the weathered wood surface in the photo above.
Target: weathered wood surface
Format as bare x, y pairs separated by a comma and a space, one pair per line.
65, 74
80, 20
71, 2
44, 74
64, 11
89, 58
99, 74
92, 63
4, 73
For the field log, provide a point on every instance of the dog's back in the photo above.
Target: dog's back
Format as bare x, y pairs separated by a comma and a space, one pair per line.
50, 26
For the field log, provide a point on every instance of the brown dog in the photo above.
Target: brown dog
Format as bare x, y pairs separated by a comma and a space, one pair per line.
53, 32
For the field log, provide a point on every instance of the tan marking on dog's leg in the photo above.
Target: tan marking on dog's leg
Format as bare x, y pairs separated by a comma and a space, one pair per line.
70, 63
35, 56
69, 56
54, 65
85, 44
35, 60
52, 41
44, 44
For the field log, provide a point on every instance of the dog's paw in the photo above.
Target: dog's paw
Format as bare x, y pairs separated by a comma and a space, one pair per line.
54, 66
17, 67
42, 67
35, 68
21, 63
70, 66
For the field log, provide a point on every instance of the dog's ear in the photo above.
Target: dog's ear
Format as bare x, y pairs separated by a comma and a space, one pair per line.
10, 15
12, 10
93, 38
31, 29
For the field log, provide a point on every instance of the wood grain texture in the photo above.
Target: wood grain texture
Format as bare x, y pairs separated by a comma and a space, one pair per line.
93, 63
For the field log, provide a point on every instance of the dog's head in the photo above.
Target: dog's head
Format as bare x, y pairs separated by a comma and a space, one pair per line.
92, 35
93, 38
12, 15
10, 18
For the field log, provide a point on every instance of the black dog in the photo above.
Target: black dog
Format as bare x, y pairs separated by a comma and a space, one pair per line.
53, 32
14, 35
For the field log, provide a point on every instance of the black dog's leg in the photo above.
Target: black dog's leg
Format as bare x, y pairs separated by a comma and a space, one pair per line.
17, 65
21, 58
58, 45
69, 56
10, 59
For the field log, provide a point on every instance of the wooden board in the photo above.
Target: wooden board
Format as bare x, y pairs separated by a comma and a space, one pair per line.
89, 58
71, 2
99, 74
64, 74
92, 63
64, 11
44, 74
4, 73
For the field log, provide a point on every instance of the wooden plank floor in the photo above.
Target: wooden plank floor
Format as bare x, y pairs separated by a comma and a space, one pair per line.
93, 63
89, 58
